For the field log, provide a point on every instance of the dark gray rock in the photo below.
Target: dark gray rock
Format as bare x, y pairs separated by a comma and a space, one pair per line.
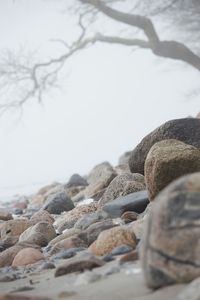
58, 203
76, 180
186, 130
121, 250
136, 202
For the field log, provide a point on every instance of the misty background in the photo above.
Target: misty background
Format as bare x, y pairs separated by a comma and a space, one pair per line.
110, 98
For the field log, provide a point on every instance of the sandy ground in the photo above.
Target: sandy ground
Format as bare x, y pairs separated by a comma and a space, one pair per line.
125, 285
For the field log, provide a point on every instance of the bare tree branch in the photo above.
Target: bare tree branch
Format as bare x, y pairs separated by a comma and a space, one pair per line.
27, 80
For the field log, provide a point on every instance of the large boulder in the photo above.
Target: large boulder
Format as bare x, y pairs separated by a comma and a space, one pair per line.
122, 185
171, 239
111, 238
166, 161
58, 203
136, 202
186, 130
40, 234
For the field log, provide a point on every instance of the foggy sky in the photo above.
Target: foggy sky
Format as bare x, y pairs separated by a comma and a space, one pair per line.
110, 98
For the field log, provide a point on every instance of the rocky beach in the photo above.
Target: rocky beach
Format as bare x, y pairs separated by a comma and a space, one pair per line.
130, 231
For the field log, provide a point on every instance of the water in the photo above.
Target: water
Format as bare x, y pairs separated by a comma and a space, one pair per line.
11, 193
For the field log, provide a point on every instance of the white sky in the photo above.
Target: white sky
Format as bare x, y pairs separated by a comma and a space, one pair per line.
110, 99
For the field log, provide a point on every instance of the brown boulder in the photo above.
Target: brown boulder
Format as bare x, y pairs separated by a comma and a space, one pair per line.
111, 238
14, 227
42, 216
5, 215
27, 256
166, 161
71, 242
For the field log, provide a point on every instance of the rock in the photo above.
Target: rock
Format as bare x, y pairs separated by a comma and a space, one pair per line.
8, 242
40, 234
76, 180
111, 238
95, 229
79, 264
131, 256
74, 190
71, 242
186, 130
129, 216
47, 188
68, 233
137, 227
191, 291
198, 115
170, 245
136, 202
14, 228
42, 216
20, 205
7, 256
5, 215
67, 253
99, 178
68, 219
58, 203
122, 185
27, 256
121, 169
121, 250
124, 158
89, 219
166, 161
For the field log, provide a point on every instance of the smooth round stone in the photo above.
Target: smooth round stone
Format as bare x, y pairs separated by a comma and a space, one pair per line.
108, 258
121, 250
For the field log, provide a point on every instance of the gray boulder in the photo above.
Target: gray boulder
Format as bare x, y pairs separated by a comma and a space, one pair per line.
171, 239
58, 203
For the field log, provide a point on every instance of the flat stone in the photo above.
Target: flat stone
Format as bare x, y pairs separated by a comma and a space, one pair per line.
136, 202
79, 264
